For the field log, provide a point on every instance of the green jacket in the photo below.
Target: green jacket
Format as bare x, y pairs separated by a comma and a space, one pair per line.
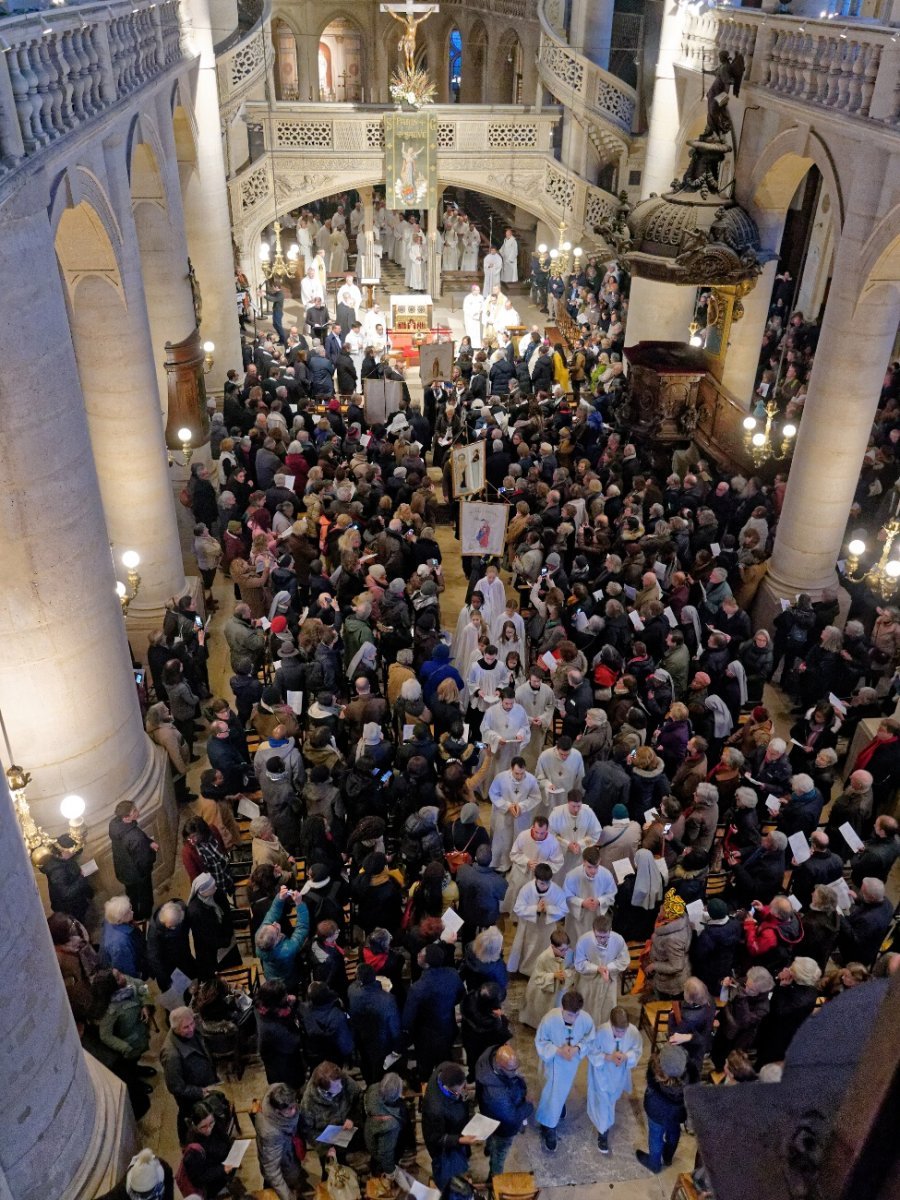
121, 1027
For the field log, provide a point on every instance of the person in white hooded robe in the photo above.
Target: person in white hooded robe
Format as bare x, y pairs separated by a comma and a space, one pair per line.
537, 698
492, 589
474, 605
531, 846
552, 975
539, 906
504, 730
600, 958
575, 827
590, 889
514, 795
473, 307
562, 1041
492, 265
612, 1055
560, 770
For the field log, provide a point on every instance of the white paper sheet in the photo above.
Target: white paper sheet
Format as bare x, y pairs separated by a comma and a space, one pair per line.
850, 836
295, 700
173, 997
650, 814
452, 921
389, 1061
407, 732
670, 617
236, 1153
694, 912
480, 1126
265, 624
421, 1192
629, 591
715, 549
794, 903
622, 868
336, 1135
289, 481
799, 847
659, 570
635, 619
248, 808
549, 661
837, 703
773, 804
89, 868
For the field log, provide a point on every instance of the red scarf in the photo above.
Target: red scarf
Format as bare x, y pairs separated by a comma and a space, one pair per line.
865, 755
375, 961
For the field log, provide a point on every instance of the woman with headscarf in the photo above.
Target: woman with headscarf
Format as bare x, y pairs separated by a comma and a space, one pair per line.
734, 689
212, 928
690, 627
639, 897
665, 961
364, 662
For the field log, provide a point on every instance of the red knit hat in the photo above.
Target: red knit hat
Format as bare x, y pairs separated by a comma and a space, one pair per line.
279, 624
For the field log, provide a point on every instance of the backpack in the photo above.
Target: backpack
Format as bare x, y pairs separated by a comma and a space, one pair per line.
459, 858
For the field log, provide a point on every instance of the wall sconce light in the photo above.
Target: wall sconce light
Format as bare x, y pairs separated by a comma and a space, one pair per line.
72, 808
131, 560
208, 360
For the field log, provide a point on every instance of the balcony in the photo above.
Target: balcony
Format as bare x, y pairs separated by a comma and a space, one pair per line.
63, 67
244, 59
841, 67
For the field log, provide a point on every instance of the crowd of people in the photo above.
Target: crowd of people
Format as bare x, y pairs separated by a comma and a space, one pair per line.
575, 779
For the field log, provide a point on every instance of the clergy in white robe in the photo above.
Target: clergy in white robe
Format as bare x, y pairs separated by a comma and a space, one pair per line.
338, 220
355, 346
472, 309
323, 237
575, 827
491, 587
532, 846
560, 770
476, 604
374, 316
450, 251
539, 906
465, 645
537, 698
408, 231
510, 613
484, 680
553, 973
338, 246
415, 265
356, 218
349, 294
305, 243
514, 795
471, 244
589, 889
505, 316
509, 255
321, 273
491, 266
612, 1055
310, 287
562, 1041
600, 958
504, 731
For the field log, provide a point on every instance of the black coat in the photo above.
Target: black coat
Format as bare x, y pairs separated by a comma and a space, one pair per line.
326, 1031
69, 891
212, 931
481, 889
713, 952
280, 1047
375, 1022
133, 855
790, 1005
168, 949
759, 877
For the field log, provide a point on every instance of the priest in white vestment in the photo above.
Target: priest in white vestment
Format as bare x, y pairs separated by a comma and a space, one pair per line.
473, 306
600, 958
504, 731
514, 796
492, 266
589, 889
532, 846
537, 698
509, 255
539, 906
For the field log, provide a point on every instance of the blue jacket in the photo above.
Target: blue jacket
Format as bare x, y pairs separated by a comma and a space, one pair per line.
500, 1096
480, 891
123, 947
436, 670
281, 962
429, 1012
326, 1029
375, 1021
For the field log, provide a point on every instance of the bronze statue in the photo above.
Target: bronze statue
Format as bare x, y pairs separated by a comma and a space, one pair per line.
729, 73
407, 44
195, 292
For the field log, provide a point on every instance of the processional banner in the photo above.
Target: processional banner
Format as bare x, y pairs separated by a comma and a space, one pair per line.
410, 160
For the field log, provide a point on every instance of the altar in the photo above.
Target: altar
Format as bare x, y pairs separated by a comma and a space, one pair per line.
411, 326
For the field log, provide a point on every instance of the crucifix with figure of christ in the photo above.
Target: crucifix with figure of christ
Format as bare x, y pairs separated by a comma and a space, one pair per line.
405, 13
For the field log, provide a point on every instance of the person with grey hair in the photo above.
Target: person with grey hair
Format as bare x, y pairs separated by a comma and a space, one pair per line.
772, 933
800, 813
280, 957
853, 807
483, 961
276, 1126
266, 848
742, 833
821, 925
188, 1069
387, 1120
168, 944
122, 944
760, 875
793, 999
739, 1020
863, 929
703, 819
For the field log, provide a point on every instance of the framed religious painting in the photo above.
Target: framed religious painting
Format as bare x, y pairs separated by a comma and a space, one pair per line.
410, 160
435, 362
468, 469
482, 527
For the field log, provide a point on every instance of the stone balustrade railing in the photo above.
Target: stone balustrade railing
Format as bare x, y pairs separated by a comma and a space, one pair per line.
60, 68
521, 10
844, 67
244, 61
509, 150
579, 83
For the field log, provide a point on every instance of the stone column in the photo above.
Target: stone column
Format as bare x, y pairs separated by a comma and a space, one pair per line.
834, 431
433, 249
205, 202
590, 31
368, 265
661, 155
745, 339
66, 686
68, 1129
659, 312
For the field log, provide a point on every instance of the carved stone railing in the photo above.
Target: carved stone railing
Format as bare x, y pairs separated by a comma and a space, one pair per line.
834, 65
593, 94
242, 62
504, 149
65, 66
520, 10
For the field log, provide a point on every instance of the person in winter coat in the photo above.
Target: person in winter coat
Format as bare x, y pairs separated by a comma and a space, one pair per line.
793, 633
212, 928
823, 866
377, 894
715, 947
483, 1023
772, 934
821, 925
283, 804
374, 1022
759, 876
483, 962
881, 758
445, 1112
70, 892
673, 737
77, 959
168, 944
691, 1025
122, 944
667, 965
742, 833
792, 1001
664, 1106
864, 927
202, 1170
648, 783
276, 1126
739, 1020
387, 1126
501, 1093
278, 1037
280, 956
481, 891
801, 812
854, 807
327, 1035
187, 1066
429, 1014
701, 818
421, 842
329, 1098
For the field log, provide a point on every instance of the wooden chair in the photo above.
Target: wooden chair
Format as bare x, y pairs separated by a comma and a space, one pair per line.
654, 1020
515, 1185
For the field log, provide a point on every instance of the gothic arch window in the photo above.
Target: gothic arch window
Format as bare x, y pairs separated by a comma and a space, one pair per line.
454, 63
287, 71
340, 61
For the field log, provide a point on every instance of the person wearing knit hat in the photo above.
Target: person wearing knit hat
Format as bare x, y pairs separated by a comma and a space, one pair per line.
667, 966
378, 572
664, 1106
288, 650
279, 624
146, 1177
